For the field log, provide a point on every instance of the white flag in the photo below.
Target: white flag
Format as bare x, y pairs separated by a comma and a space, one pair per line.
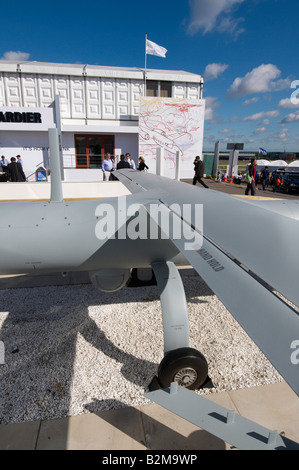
153, 49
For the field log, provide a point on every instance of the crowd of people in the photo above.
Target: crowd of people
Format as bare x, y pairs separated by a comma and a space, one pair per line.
12, 171
108, 165
252, 177
265, 177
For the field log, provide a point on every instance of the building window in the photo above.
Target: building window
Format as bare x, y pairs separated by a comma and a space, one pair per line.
91, 149
165, 89
152, 88
158, 88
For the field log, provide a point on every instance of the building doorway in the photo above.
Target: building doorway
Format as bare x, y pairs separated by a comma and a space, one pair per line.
91, 149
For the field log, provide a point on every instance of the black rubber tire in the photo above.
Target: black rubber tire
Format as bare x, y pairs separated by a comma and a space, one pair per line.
179, 361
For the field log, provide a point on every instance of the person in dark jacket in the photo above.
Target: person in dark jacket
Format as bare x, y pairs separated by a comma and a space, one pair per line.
251, 182
122, 163
15, 171
142, 165
265, 177
198, 169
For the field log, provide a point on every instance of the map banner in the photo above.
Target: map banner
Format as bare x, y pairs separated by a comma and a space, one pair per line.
176, 125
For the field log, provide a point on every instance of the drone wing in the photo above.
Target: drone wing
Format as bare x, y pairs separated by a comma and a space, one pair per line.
253, 277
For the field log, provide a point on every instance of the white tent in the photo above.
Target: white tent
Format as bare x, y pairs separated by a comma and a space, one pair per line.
294, 166
262, 162
278, 163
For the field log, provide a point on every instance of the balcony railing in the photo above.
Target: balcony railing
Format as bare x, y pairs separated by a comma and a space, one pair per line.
70, 160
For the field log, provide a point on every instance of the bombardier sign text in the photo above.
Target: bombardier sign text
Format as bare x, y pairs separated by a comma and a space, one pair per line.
8, 116
26, 119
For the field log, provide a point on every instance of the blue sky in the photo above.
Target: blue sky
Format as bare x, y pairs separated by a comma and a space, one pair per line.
247, 51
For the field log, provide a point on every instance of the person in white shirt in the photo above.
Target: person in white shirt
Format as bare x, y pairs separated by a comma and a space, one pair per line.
19, 160
107, 166
130, 161
3, 164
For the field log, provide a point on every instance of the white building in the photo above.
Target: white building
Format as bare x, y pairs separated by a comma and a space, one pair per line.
97, 111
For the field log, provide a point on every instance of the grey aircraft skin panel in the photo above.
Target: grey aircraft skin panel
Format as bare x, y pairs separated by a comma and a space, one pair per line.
62, 236
287, 208
231, 222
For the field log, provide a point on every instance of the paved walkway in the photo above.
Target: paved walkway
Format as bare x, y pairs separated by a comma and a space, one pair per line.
239, 190
152, 427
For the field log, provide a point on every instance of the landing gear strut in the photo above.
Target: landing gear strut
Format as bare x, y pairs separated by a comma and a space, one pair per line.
181, 363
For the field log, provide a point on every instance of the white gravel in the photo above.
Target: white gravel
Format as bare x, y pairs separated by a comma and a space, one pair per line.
72, 349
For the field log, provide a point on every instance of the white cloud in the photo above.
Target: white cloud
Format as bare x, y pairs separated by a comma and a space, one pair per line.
277, 136
15, 55
288, 103
234, 137
231, 25
250, 101
224, 131
208, 15
209, 140
293, 117
260, 79
257, 116
260, 130
282, 135
213, 71
211, 105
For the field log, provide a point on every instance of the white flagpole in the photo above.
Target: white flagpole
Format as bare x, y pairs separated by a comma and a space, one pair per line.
145, 67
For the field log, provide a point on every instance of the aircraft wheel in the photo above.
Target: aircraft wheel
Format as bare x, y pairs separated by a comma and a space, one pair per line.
186, 366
